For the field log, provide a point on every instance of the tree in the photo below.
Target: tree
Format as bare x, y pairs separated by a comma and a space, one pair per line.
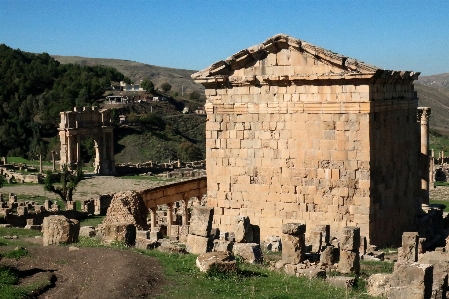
147, 85
68, 179
2, 180
195, 96
166, 86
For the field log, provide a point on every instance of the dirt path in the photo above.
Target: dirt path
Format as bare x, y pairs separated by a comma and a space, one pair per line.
100, 273
90, 187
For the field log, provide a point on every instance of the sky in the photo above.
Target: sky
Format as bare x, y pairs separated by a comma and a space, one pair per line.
193, 34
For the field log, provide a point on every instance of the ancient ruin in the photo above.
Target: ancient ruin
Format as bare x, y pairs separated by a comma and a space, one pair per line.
94, 123
299, 134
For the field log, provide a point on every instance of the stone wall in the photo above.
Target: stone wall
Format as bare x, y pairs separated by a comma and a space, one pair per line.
174, 192
296, 133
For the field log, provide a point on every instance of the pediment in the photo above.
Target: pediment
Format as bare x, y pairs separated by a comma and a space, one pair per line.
282, 57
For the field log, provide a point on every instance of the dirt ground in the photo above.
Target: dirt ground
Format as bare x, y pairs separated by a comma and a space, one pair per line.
87, 273
90, 187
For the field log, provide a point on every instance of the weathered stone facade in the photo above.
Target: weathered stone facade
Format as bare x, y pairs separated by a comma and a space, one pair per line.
94, 123
296, 133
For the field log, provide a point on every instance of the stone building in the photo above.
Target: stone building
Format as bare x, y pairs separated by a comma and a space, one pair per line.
297, 133
78, 124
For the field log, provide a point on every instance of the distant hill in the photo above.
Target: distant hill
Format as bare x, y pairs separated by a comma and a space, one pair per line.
433, 91
179, 79
438, 81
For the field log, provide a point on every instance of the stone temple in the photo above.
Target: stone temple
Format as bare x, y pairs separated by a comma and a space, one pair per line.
297, 133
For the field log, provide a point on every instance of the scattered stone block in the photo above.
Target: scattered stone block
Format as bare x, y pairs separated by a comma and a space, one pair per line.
316, 240
250, 252
273, 243
341, 281
349, 262
408, 253
142, 234
379, 285
169, 247
127, 207
329, 255
183, 232
293, 248
242, 229
201, 221
73, 248
146, 244
156, 235
290, 269
59, 229
87, 231
311, 273
374, 256
350, 239
124, 232
198, 244
411, 281
33, 227
216, 261
222, 246
293, 229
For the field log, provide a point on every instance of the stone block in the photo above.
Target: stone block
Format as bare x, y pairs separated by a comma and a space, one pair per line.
341, 281
169, 247
349, 262
30, 221
273, 243
379, 284
242, 229
198, 244
183, 232
146, 244
350, 238
201, 221
216, 261
142, 234
293, 248
290, 269
250, 252
125, 233
329, 255
316, 241
87, 231
293, 229
156, 235
311, 273
411, 281
22, 211
408, 253
222, 246
59, 229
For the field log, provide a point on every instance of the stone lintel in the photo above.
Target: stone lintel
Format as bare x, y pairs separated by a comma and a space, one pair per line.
310, 107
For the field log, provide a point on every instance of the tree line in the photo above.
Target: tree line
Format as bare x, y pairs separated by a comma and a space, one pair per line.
34, 89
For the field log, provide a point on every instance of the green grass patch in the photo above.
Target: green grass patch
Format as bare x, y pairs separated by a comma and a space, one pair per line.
16, 253
21, 160
441, 184
9, 288
441, 202
20, 232
251, 281
92, 221
368, 268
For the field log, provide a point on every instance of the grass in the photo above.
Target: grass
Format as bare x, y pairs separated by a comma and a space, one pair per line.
441, 202
92, 221
441, 184
251, 281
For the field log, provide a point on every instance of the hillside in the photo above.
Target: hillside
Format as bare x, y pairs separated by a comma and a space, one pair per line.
137, 71
433, 91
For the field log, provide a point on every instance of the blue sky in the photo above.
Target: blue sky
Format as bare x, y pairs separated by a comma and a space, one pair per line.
393, 34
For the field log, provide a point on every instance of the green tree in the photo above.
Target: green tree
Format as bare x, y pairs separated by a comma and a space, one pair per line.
2, 180
147, 85
68, 182
166, 87
195, 96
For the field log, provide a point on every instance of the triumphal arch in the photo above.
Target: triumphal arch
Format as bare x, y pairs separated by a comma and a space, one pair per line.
77, 124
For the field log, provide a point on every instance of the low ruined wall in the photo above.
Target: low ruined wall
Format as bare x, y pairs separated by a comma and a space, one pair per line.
174, 192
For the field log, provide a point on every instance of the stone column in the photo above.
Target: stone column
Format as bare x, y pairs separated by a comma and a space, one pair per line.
5, 160
293, 243
40, 163
349, 250
169, 217
424, 113
153, 218
78, 151
185, 219
432, 169
53, 160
